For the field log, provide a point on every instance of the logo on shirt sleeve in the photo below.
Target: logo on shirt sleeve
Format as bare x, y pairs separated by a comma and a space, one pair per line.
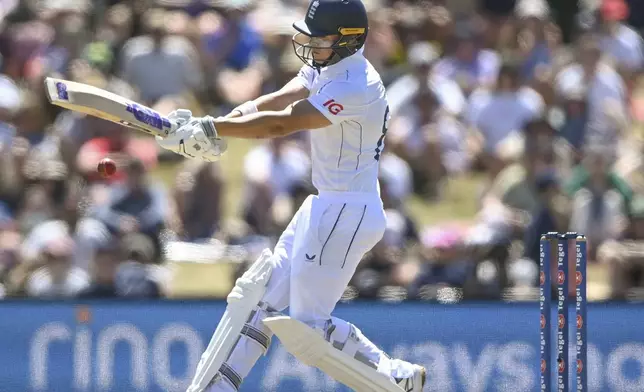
334, 107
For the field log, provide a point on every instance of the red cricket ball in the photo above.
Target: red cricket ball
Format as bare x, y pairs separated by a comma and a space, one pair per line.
106, 167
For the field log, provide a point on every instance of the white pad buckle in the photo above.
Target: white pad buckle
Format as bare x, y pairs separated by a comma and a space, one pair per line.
242, 301
312, 349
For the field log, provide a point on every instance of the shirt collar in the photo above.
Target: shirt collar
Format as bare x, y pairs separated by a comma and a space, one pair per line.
343, 65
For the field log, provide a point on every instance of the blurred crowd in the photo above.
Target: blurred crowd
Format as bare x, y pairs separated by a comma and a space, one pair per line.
537, 102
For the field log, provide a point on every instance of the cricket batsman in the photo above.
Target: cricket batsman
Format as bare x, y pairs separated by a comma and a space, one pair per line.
340, 98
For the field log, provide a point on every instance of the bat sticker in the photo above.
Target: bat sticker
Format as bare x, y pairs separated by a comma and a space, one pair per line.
61, 88
148, 116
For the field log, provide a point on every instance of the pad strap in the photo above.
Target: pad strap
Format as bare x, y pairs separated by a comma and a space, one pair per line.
256, 335
231, 375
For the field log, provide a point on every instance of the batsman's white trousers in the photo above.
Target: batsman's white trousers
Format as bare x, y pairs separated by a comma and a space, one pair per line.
315, 258
319, 251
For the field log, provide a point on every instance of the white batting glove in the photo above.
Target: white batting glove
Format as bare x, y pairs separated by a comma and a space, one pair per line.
195, 138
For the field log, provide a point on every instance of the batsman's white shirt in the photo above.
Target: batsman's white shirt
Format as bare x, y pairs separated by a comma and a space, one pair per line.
350, 94
320, 249
317, 254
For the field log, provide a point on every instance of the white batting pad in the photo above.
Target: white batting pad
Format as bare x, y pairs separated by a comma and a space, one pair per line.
310, 348
242, 300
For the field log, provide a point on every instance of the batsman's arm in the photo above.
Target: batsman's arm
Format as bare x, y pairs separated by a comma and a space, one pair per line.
270, 124
291, 92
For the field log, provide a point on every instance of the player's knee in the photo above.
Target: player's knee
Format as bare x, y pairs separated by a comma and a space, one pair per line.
252, 284
249, 293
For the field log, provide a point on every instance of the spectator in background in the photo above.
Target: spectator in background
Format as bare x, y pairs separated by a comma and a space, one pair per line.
10, 240
138, 276
271, 171
518, 105
10, 102
125, 267
389, 262
47, 171
12, 181
600, 198
67, 220
514, 198
198, 201
422, 57
444, 262
440, 23
550, 214
32, 123
13, 151
620, 42
412, 137
533, 44
149, 59
382, 45
133, 280
431, 140
24, 41
234, 56
467, 63
69, 21
606, 94
574, 109
94, 65
274, 23
114, 30
36, 209
58, 277
103, 271
625, 257
135, 205
396, 182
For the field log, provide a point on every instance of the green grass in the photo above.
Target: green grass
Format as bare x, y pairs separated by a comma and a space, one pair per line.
458, 203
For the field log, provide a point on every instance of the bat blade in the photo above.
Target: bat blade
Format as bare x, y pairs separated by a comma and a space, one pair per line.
103, 104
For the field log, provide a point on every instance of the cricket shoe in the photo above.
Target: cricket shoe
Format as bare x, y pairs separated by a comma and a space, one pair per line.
414, 383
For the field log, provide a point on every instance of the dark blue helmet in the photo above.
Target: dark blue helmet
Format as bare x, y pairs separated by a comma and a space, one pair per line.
345, 18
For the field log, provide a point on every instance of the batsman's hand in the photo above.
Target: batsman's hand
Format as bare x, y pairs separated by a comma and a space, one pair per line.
195, 137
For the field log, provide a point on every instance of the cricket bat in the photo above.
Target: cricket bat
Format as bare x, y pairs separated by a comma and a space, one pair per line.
97, 102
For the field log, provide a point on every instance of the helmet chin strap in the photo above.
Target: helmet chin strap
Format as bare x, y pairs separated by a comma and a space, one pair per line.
327, 62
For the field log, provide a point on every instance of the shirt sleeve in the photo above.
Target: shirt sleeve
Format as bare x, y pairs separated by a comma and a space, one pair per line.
305, 76
339, 102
